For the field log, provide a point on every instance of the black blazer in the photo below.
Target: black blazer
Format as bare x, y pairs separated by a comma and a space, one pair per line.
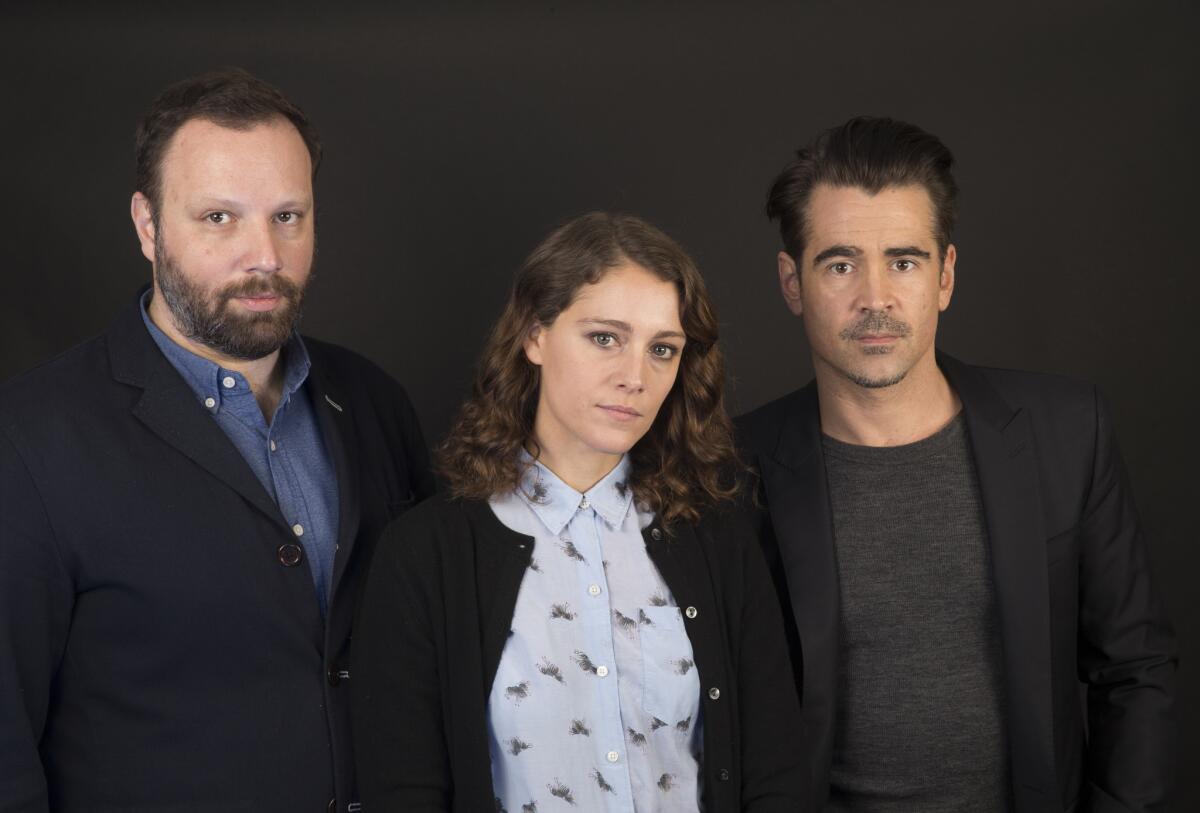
155, 652
435, 616
1073, 590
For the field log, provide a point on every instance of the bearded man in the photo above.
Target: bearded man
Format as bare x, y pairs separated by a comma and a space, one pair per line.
188, 502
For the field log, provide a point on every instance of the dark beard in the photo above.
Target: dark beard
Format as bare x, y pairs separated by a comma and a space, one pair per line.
211, 321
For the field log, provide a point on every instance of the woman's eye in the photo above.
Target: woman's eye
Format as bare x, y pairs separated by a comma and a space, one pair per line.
663, 351
217, 217
287, 217
604, 339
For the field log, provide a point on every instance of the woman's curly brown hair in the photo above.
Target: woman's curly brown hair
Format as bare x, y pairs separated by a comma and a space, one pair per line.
684, 461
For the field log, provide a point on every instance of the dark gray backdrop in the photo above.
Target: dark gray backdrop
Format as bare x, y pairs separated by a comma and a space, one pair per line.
457, 135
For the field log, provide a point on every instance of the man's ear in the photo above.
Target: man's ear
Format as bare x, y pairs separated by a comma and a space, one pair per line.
143, 223
789, 282
946, 278
533, 344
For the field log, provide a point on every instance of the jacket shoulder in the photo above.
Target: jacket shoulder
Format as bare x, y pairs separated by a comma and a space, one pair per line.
1038, 391
68, 380
758, 430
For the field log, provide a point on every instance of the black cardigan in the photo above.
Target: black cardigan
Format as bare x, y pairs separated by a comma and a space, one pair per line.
434, 619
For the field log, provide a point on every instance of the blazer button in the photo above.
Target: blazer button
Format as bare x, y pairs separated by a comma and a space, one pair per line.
290, 554
655, 534
723, 774
332, 806
690, 612
334, 677
714, 693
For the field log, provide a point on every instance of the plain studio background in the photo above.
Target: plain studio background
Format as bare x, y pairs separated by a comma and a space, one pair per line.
457, 135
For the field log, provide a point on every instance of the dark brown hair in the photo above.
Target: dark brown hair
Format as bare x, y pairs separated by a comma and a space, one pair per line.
684, 460
869, 153
231, 98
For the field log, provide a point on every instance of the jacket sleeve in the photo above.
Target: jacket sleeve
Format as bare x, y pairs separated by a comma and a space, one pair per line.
397, 705
36, 598
774, 771
1127, 654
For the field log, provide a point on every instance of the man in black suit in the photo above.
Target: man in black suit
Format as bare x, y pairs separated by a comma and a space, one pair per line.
188, 502
957, 546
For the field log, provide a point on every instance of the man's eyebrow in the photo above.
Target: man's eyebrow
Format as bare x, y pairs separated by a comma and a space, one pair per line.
838, 251
617, 324
906, 251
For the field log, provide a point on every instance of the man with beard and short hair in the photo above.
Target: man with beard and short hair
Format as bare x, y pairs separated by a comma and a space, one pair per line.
957, 547
188, 502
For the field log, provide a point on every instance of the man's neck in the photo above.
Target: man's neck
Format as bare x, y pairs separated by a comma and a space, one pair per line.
263, 375
918, 406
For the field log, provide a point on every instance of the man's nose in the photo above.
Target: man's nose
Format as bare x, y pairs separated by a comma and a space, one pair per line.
262, 252
875, 292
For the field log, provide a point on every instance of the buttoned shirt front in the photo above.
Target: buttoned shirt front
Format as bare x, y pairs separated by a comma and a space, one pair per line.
287, 455
596, 699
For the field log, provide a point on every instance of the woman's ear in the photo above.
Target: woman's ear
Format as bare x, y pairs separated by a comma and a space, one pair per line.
533, 344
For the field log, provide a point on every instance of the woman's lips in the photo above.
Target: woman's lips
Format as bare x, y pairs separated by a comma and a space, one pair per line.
620, 413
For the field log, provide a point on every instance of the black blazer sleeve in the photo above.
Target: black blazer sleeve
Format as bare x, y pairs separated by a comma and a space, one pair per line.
399, 736
1126, 649
36, 597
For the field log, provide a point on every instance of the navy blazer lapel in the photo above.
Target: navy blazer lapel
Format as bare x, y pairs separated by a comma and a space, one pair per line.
335, 416
169, 408
797, 493
1005, 462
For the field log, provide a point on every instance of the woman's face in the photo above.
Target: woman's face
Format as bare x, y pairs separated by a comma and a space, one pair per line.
607, 363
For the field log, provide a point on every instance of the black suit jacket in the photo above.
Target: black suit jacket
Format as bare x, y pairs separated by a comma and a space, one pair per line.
1073, 588
156, 654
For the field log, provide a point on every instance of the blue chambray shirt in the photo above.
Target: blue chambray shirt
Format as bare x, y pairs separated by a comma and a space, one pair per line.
288, 456
596, 701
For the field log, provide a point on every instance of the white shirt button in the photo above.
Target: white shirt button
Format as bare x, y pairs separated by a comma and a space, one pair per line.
298, 530
593, 589
714, 693
602, 671
272, 446
613, 756
210, 402
228, 382
584, 504
690, 612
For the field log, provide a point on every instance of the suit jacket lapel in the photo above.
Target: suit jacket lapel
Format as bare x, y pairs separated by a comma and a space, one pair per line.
1005, 462
798, 495
169, 408
336, 419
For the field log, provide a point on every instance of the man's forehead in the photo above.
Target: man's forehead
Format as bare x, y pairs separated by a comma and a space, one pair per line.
834, 210
267, 151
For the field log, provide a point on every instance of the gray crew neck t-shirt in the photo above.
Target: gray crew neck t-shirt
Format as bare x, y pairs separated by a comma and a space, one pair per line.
920, 723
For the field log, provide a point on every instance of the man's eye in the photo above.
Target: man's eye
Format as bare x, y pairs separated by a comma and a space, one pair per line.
840, 268
904, 265
664, 351
287, 217
217, 217
604, 339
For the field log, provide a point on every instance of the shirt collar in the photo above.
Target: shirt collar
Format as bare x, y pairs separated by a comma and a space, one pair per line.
555, 503
207, 379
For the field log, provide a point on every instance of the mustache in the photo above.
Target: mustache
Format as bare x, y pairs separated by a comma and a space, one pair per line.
876, 323
274, 285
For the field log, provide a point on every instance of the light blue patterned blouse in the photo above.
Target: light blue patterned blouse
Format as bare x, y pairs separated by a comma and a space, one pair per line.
596, 701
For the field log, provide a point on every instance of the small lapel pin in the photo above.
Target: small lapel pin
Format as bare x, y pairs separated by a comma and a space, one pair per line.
334, 404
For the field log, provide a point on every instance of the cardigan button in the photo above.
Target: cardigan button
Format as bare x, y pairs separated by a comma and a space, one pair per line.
723, 774
290, 555
655, 534
714, 693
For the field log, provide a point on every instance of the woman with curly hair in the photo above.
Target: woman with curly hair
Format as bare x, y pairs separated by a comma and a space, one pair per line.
581, 620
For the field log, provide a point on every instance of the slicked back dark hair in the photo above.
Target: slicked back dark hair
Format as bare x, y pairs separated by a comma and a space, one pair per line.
868, 153
232, 98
